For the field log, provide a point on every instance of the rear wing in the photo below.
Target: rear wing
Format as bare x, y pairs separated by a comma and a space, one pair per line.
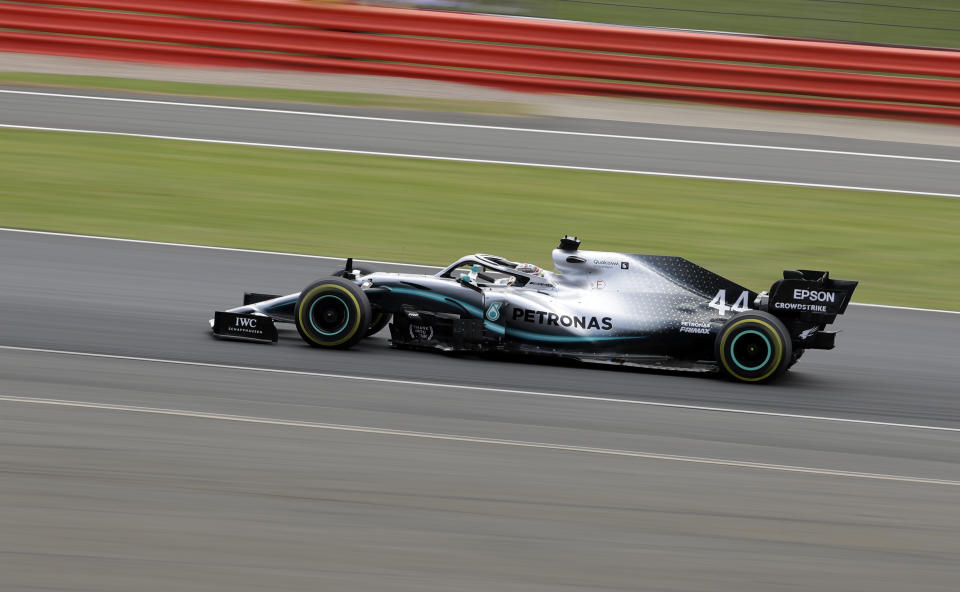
811, 295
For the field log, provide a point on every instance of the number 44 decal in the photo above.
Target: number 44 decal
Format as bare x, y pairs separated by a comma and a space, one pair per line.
719, 302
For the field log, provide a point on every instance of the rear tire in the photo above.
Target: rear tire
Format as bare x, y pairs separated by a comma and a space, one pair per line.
754, 347
332, 313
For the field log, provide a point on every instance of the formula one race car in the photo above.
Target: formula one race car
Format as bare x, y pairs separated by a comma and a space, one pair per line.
614, 308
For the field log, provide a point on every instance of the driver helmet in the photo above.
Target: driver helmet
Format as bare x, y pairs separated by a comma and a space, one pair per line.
529, 268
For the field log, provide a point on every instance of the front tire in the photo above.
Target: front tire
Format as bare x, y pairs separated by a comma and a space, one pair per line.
754, 347
379, 319
332, 313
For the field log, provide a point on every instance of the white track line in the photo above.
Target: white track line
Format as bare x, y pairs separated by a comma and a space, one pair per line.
478, 126
488, 389
905, 308
325, 258
480, 440
208, 247
481, 161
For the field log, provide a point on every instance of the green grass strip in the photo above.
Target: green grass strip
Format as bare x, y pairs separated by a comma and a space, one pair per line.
904, 249
264, 93
902, 22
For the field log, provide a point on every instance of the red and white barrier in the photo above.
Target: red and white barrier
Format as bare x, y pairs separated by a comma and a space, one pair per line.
522, 54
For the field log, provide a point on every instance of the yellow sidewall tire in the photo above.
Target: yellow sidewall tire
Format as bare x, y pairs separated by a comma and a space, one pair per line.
355, 304
776, 337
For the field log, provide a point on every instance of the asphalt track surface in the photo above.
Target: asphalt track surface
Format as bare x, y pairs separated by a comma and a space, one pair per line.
637, 147
281, 467
154, 457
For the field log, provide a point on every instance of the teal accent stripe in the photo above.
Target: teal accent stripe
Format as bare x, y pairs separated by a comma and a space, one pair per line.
498, 329
511, 332
475, 311
564, 338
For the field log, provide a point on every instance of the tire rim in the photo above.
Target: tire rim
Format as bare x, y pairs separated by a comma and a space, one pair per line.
751, 349
329, 315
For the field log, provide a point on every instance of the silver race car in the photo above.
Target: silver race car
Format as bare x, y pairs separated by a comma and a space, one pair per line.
646, 311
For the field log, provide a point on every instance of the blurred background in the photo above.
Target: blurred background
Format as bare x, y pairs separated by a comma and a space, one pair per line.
934, 23
159, 158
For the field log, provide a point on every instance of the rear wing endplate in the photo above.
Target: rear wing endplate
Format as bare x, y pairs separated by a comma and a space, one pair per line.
810, 293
